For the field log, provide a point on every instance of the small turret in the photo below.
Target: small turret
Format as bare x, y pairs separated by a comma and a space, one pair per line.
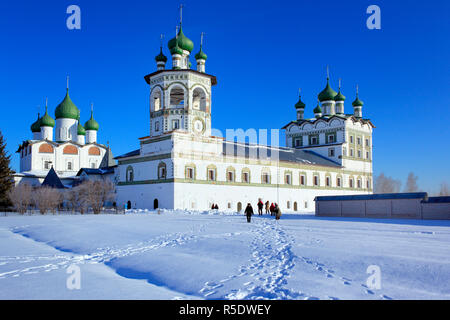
201, 57
47, 124
161, 59
318, 110
326, 97
339, 100
91, 126
81, 133
300, 106
357, 105
36, 128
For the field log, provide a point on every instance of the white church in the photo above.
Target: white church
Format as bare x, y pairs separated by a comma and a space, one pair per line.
64, 145
180, 165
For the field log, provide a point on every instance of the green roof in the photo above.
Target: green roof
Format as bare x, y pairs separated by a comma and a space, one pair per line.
201, 55
183, 42
339, 96
80, 130
161, 57
176, 49
46, 120
357, 102
328, 93
91, 124
36, 126
317, 109
300, 104
67, 109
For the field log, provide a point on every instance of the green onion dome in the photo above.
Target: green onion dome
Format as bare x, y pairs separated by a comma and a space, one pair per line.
67, 109
201, 55
176, 49
161, 57
357, 102
91, 124
36, 126
328, 93
339, 96
183, 42
80, 130
300, 104
317, 109
46, 120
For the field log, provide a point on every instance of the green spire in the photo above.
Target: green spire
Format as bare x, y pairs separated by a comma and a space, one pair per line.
67, 109
300, 104
201, 54
339, 96
328, 93
176, 49
36, 126
46, 120
181, 41
91, 124
357, 102
161, 57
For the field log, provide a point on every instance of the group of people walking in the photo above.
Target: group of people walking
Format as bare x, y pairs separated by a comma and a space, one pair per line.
274, 210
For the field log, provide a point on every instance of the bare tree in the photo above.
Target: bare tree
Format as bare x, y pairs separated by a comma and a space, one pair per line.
385, 184
47, 199
76, 198
444, 190
411, 183
97, 193
20, 197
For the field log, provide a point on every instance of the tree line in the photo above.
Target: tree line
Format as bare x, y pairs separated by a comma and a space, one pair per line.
384, 184
89, 194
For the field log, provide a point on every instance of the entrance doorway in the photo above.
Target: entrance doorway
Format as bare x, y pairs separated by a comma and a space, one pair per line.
155, 204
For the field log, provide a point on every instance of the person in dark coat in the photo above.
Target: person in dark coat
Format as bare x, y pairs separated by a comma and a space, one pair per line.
248, 212
260, 207
216, 207
213, 207
272, 207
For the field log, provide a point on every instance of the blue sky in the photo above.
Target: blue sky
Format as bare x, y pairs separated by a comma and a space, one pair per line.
261, 53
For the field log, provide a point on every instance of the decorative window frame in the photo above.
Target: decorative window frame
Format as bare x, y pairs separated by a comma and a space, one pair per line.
127, 174
233, 171
214, 168
161, 165
246, 170
194, 171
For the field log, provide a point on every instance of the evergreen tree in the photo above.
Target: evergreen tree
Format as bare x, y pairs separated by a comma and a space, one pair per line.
6, 178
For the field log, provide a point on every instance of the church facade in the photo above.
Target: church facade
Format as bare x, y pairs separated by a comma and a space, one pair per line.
63, 144
181, 165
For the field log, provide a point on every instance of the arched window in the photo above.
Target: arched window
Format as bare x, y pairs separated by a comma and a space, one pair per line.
211, 172
70, 150
295, 206
265, 176
177, 97
130, 174
199, 101
45, 148
350, 182
162, 170
288, 177
190, 172
94, 151
156, 100
239, 207
245, 175
230, 174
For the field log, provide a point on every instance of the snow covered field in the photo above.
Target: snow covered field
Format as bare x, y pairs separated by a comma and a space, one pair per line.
188, 255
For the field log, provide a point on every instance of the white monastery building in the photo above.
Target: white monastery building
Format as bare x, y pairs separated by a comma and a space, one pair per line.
64, 145
180, 165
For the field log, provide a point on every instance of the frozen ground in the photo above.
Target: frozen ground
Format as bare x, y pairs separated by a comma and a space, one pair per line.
188, 255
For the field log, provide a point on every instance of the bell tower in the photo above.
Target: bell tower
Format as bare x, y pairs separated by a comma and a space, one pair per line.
180, 98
